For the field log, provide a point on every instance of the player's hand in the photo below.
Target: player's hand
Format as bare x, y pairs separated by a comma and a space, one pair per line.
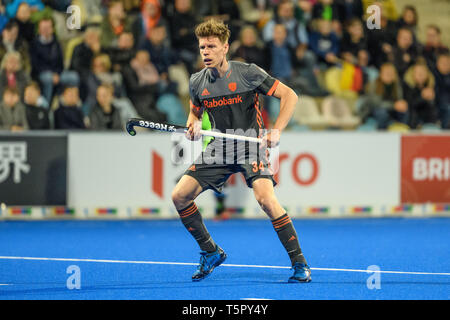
271, 139
193, 132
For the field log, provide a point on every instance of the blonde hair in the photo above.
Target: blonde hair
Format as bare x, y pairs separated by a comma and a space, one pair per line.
10, 54
104, 59
213, 28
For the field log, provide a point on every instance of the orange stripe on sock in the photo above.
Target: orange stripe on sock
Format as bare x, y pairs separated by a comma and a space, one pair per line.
282, 225
188, 210
189, 214
282, 222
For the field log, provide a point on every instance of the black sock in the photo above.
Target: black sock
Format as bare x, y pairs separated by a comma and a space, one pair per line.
288, 237
192, 220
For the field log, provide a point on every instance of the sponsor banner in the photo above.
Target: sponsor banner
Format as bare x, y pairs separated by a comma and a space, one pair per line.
316, 170
123, 213
21, 212
116, 169
334, 169
438, 209
59, 212
33, 169
425, 169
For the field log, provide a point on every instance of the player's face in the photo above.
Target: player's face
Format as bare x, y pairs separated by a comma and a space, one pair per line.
212, 51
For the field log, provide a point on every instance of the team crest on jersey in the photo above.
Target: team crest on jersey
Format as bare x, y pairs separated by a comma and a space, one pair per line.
232, 86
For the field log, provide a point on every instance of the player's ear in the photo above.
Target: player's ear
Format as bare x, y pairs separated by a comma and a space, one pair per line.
226, 47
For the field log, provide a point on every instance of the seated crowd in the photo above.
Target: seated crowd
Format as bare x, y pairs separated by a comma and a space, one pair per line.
133, 58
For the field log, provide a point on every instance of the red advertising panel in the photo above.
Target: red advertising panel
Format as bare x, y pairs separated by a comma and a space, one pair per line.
425, 169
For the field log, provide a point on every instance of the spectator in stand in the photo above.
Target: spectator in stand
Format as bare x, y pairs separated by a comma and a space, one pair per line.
354, 48
280, 64
160, 52
104, 115
405, 52
442, 77
184, 42
142, 83
11, 42
328, 10
12, 112
409, 19
124, 52
149, 17
303, 11
12, 75
101, 73
305, 77
419, 92
296, 32
37, 111
69, 114
115, 23
324, 44
349, 9
250, 50
84, 52
224, 10
383, 99
381, 41
47, 61
83, 55
280, 54
26, 26
433, 45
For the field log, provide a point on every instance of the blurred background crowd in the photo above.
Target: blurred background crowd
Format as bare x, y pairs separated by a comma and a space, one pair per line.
133, 58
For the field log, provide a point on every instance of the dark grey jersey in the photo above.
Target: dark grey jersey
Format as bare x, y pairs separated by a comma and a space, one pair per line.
232, 101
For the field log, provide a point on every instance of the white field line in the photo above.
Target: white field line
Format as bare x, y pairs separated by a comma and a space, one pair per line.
223, 265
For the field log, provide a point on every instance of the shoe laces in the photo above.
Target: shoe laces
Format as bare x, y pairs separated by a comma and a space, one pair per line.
203, 260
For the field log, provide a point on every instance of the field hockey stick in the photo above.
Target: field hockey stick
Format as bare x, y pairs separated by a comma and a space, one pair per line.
135, 122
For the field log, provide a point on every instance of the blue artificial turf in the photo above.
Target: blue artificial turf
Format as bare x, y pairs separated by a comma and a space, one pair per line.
396, 244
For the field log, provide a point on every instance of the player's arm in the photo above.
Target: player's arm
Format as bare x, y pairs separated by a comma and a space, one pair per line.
194, 121
288, 100
267, 85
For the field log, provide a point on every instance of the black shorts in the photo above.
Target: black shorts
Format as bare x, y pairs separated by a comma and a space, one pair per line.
214, 176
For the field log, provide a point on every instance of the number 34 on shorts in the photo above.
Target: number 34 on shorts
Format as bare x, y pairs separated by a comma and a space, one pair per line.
261, 166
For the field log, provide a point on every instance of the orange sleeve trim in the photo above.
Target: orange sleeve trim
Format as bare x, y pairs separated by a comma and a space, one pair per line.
193, 105
272, 90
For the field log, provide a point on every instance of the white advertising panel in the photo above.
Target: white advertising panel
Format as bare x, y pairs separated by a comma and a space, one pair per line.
137, 174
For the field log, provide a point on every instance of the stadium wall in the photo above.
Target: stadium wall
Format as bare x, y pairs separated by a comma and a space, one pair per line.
89, 175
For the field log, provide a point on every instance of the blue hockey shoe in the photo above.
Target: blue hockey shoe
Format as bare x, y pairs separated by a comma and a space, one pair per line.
208, 261
302, 273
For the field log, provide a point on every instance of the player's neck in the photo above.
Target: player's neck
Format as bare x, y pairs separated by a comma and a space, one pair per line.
222, 68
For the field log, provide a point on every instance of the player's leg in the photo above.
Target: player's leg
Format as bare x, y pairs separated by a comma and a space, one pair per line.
183, 196
265, 196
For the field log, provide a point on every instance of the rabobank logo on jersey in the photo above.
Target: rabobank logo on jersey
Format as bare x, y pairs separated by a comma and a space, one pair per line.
213, 103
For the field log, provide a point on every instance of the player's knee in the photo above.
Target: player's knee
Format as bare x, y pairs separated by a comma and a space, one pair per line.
266, 201
179, 198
